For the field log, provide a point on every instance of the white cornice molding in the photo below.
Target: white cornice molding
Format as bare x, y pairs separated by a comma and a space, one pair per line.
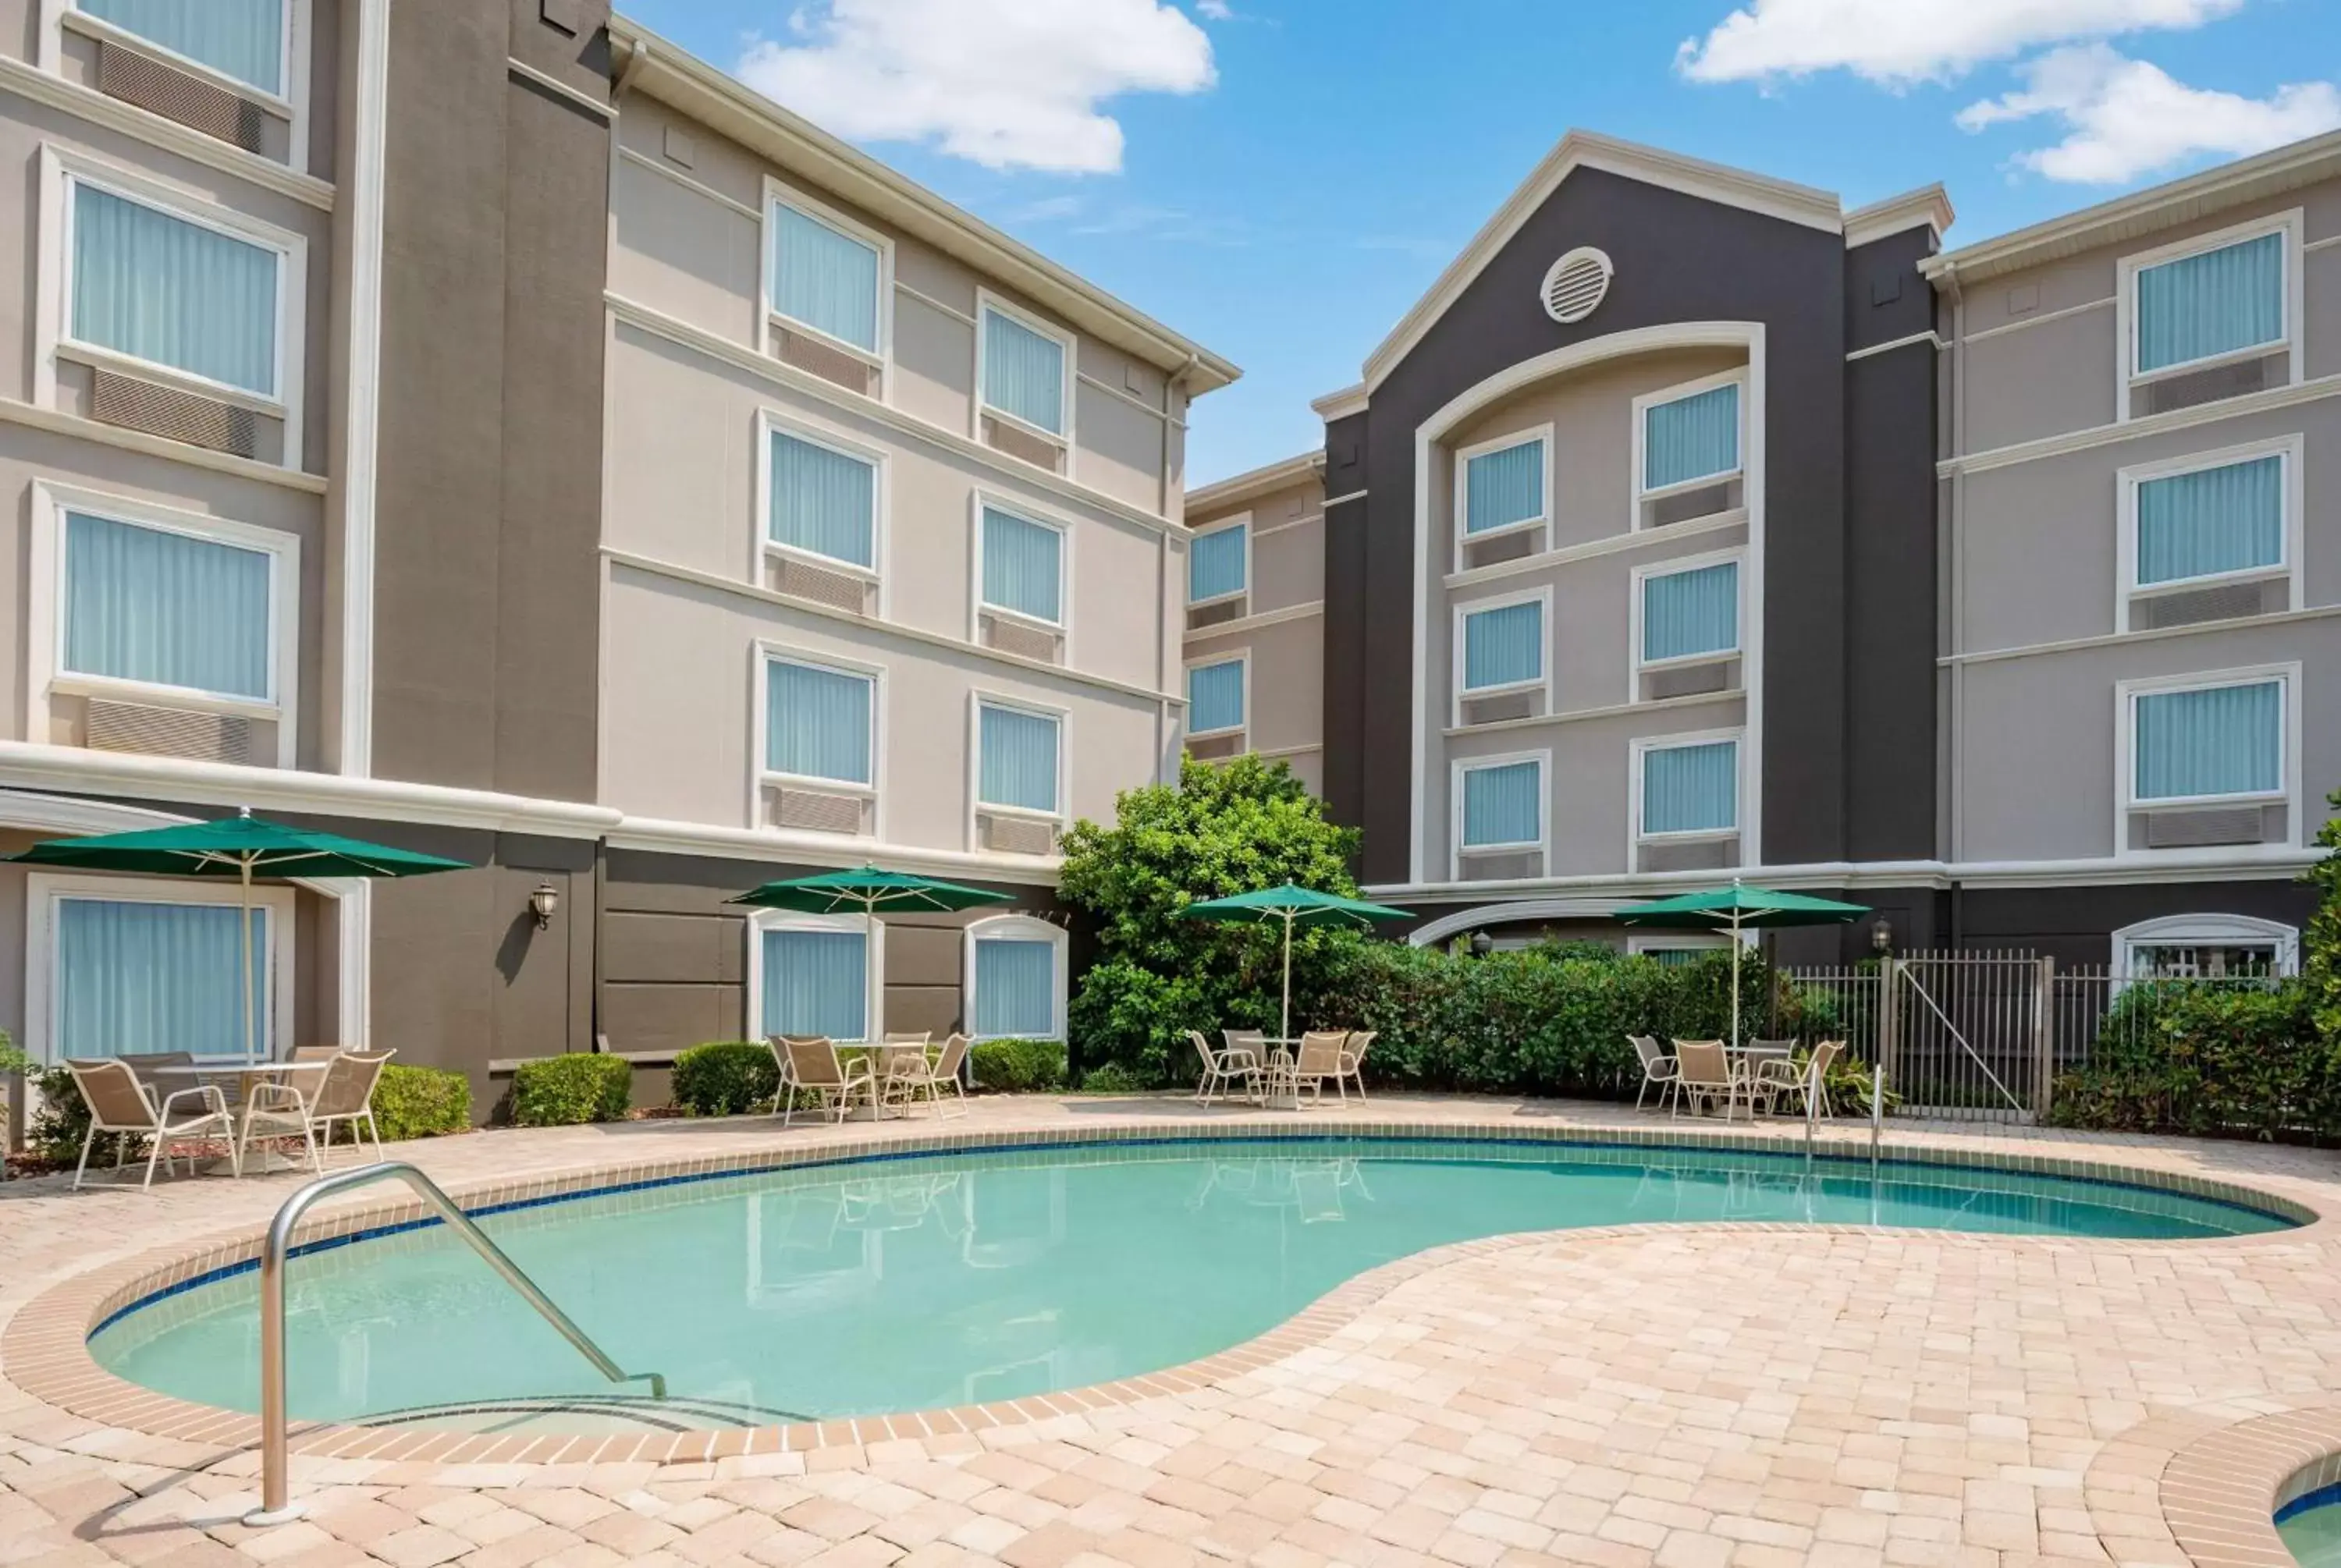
1237, 628
2140, 428
2155, 634
59, 422
1236, 489
1929, 207
647, 833
1592, 549
1341, 404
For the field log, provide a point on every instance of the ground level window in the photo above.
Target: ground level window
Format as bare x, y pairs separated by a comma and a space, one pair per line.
816, 982
133, 977
2207, 946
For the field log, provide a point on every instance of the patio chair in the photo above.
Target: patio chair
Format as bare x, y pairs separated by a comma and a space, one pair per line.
306, 1053
913, 1072
1231, 1065
1703, 1075
345, 1095
1797, 1081
810, 1065
1318, 1061
1657, 1067
282, 1110
1353, 1060
120, 1103
900, 1066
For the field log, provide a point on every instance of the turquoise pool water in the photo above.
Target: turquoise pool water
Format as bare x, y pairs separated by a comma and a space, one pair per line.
2311, 1528
863, 1287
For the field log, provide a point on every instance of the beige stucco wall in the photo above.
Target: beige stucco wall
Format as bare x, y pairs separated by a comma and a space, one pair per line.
1286, 718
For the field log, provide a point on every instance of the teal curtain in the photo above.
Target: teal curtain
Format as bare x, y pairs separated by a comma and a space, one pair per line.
244, 39
137, 978
825, 278
164, 290
1692, 438
1503, 646
817, 983
1691, 788
824, 501
2216, 519
143, 604
1503, 805
1215, 564
1023, 567
817, 722
1688, 612
1215, 697
2222, 300
1023, 372
1502, 488
1015, 988
1018, 765
2219, 741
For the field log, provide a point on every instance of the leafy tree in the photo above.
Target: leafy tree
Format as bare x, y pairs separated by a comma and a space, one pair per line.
2322, 969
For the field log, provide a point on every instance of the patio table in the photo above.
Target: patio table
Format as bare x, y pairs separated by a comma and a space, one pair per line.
246, 1075
1282, 1092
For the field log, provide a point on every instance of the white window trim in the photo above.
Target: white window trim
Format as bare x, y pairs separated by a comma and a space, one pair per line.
986, 301
45, 674
977, 702
1241, 519
1645, 942
291, 105
1021, 928
771, 422
1643, 404
2287, 791
778, 194
760, 776
1462, 612
2207, 929
873, 934
2125, 316
63, 168
1212, 662
1672, 566
45, 890
2127, 589
1461, 506
978, 606
1643, 746
1543, 844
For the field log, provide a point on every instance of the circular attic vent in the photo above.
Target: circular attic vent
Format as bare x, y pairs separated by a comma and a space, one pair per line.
1575, 287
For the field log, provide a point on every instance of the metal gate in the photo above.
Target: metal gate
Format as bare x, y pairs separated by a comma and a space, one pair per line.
1963, 1035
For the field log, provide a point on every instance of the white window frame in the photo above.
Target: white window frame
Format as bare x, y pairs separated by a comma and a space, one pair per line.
1646, 943
978, 607
45, 674
1212, 662
63, 169
1241, 519
1643, 745
2287, 791
1022, 929
1462, 612
1460, 503
763, 548
779, 194
2126, 378
977, 702
1677, 393
761, 776
2204, 930
1672, 566
986, 301
874, 935
45, 890
2128, 589
291, 105
1541, 846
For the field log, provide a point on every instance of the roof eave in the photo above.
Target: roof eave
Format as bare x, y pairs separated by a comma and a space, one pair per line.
1253, 483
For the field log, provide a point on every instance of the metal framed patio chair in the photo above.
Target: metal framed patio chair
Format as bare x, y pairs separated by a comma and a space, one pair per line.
1658, 1068
1318, 1062
1229, 1066
810, 1065
1353, 1060
915, 1073
120, 1101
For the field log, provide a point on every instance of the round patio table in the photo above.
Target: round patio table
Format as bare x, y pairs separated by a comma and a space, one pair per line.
247, 1074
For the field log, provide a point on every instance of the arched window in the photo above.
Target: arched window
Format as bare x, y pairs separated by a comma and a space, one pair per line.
1016, 979
2205, 947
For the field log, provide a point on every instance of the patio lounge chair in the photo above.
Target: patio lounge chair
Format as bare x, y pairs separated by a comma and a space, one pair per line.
1232, 1065
1657, 1067
119, 1102
914, 1072
810, 1065
1353, 1060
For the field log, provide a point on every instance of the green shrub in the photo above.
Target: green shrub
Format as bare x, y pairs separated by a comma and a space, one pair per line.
1112, 1079
2206, 1057
1017, 1066
571, 1090
411, 1102
726, 1077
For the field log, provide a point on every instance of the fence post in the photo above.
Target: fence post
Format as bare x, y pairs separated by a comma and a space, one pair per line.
1890, 1016
2044, 1038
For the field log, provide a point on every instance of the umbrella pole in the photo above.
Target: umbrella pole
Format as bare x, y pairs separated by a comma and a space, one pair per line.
1734, 935
244, 933
1284, 1026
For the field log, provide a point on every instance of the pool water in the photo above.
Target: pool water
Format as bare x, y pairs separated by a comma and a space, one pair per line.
905, 1284
2311, 1528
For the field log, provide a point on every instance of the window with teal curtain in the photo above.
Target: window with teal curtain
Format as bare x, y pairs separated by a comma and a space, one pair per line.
137, 978
1690, 612
2213, 303
2215, 741
817, 722
1692, 438
824, 278
1018, 761
1023, 567
242, 39
1503, 647
1502, 488
144, 604
1691, 788
823, 502
1215, 697
1023, 372
1503, 805
1215, 564
1015, 988
817, 983
2214, 520
173, 292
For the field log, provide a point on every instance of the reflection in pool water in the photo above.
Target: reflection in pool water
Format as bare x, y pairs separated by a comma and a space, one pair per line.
2311, 1528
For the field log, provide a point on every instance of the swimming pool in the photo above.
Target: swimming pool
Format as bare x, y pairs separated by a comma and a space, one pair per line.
874, 1285
2311, 1528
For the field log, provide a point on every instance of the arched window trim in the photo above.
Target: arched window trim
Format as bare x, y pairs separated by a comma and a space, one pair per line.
1020, 927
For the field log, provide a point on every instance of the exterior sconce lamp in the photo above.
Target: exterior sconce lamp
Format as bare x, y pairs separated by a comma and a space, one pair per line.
1482, 944
1881, 936
542, 903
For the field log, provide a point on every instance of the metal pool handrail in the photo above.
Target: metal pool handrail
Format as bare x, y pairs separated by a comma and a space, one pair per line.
276, 1507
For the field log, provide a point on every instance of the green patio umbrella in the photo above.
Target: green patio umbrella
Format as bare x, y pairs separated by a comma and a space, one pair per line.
242, 846
1294, 907
868, 891
1737, 908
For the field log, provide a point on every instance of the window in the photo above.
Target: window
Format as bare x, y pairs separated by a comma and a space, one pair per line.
1504, 486
1503, 647
1023, 371
1502, 805
1219, 564
242, 40
1689, 614
158, 608
2209, 305
815, 975
1688, 436
821, 501
1016, 977
828, 277
2210, 947
2217, 742
1215, 697
1675, 948
1687, 790
1017, 759
1023, 567
819, 722
2209, 536
164, 289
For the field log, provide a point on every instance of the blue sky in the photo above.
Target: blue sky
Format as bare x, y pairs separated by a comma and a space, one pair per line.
1281, 179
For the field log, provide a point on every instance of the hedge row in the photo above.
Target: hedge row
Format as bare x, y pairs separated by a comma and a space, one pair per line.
2207, 1057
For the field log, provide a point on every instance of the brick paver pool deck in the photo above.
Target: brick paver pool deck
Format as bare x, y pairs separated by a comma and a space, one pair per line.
1688, 1396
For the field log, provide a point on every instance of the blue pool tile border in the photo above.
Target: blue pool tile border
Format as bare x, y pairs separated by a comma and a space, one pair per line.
2323, 1496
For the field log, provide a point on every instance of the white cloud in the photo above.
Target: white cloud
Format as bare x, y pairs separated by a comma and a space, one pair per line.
1006, 84
1214, 10
2128, 118
1901, 42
